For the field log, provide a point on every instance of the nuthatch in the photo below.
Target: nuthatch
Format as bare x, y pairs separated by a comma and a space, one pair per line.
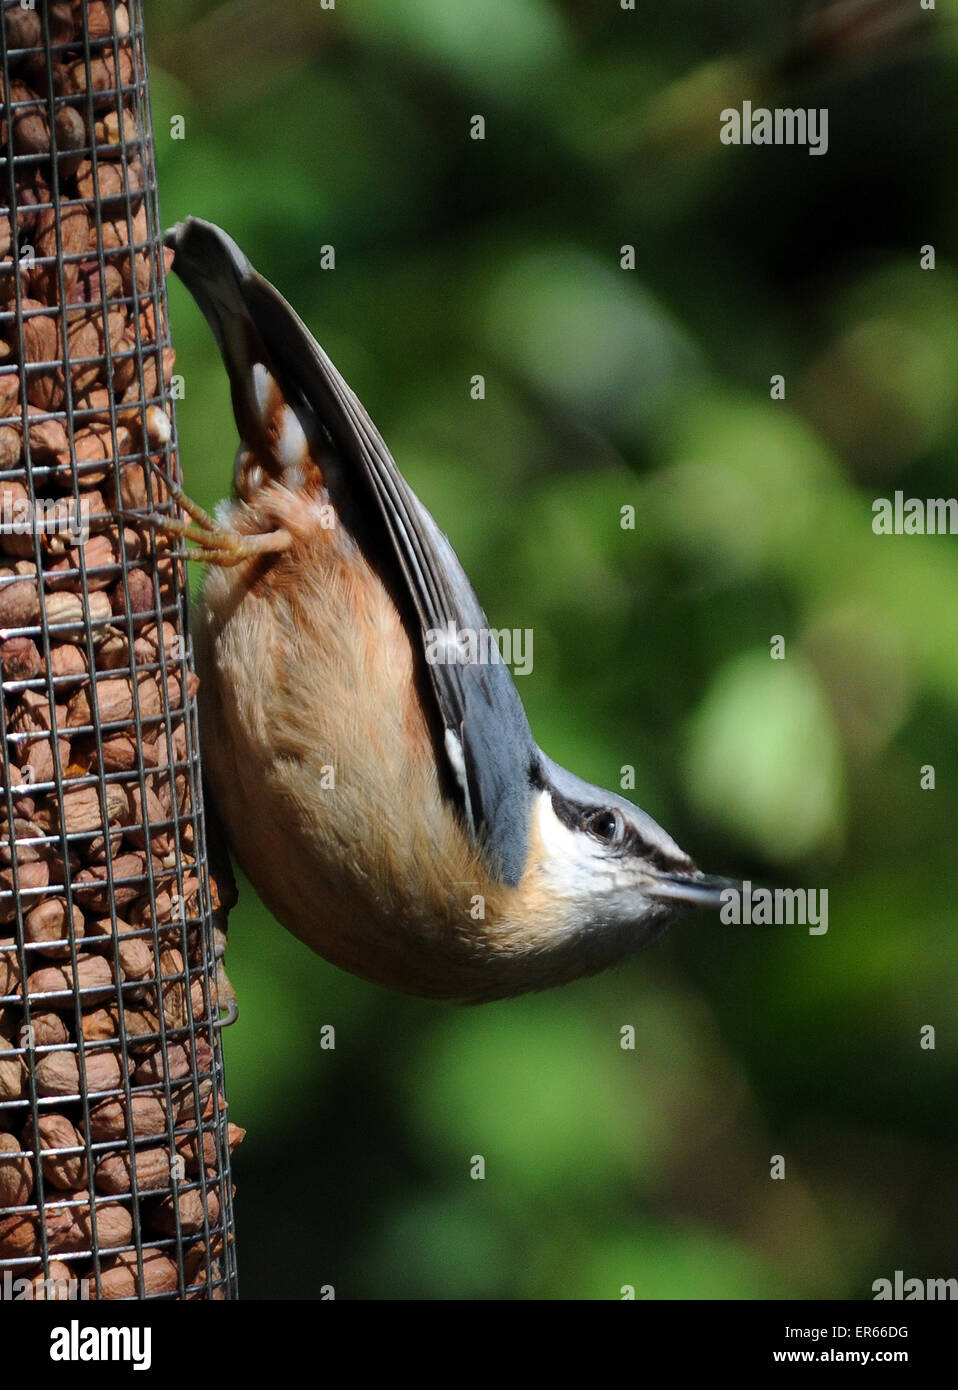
395, 813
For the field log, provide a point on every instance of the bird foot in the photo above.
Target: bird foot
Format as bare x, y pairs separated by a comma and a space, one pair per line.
214, 544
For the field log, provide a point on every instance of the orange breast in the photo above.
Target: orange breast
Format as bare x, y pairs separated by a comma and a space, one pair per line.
322, 761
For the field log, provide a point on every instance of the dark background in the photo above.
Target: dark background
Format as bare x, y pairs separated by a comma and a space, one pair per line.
605, 388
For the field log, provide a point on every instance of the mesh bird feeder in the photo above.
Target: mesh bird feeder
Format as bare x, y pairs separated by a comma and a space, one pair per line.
114, 1139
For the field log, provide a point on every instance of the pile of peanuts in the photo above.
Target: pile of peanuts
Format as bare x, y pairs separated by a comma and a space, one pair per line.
114, 1143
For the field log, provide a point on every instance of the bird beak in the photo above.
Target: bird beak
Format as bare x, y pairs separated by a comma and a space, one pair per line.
691, 890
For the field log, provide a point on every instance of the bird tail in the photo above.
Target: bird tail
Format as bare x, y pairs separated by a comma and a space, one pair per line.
214, 270
259, 334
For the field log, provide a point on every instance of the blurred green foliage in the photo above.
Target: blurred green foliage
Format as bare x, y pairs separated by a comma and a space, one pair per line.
609, 388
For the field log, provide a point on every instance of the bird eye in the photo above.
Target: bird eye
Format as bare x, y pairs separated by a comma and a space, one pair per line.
606, 826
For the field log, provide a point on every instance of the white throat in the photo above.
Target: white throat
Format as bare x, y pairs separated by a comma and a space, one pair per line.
575, 867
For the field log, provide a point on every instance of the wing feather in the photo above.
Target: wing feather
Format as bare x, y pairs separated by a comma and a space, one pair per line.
493, 754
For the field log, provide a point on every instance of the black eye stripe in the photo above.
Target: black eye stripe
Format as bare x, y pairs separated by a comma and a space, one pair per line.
655, 856
576, 816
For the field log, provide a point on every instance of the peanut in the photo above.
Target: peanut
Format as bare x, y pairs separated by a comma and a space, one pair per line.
120, 1275
16, 1173
66, 1167
70, 1225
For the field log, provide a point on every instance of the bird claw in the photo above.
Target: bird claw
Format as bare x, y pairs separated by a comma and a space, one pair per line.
225, 993
215, 544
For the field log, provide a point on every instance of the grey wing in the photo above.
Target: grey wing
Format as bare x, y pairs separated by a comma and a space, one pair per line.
488, 745
499, 756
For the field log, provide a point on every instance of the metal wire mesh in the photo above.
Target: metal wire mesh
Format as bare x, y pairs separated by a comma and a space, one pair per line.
114, 1140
